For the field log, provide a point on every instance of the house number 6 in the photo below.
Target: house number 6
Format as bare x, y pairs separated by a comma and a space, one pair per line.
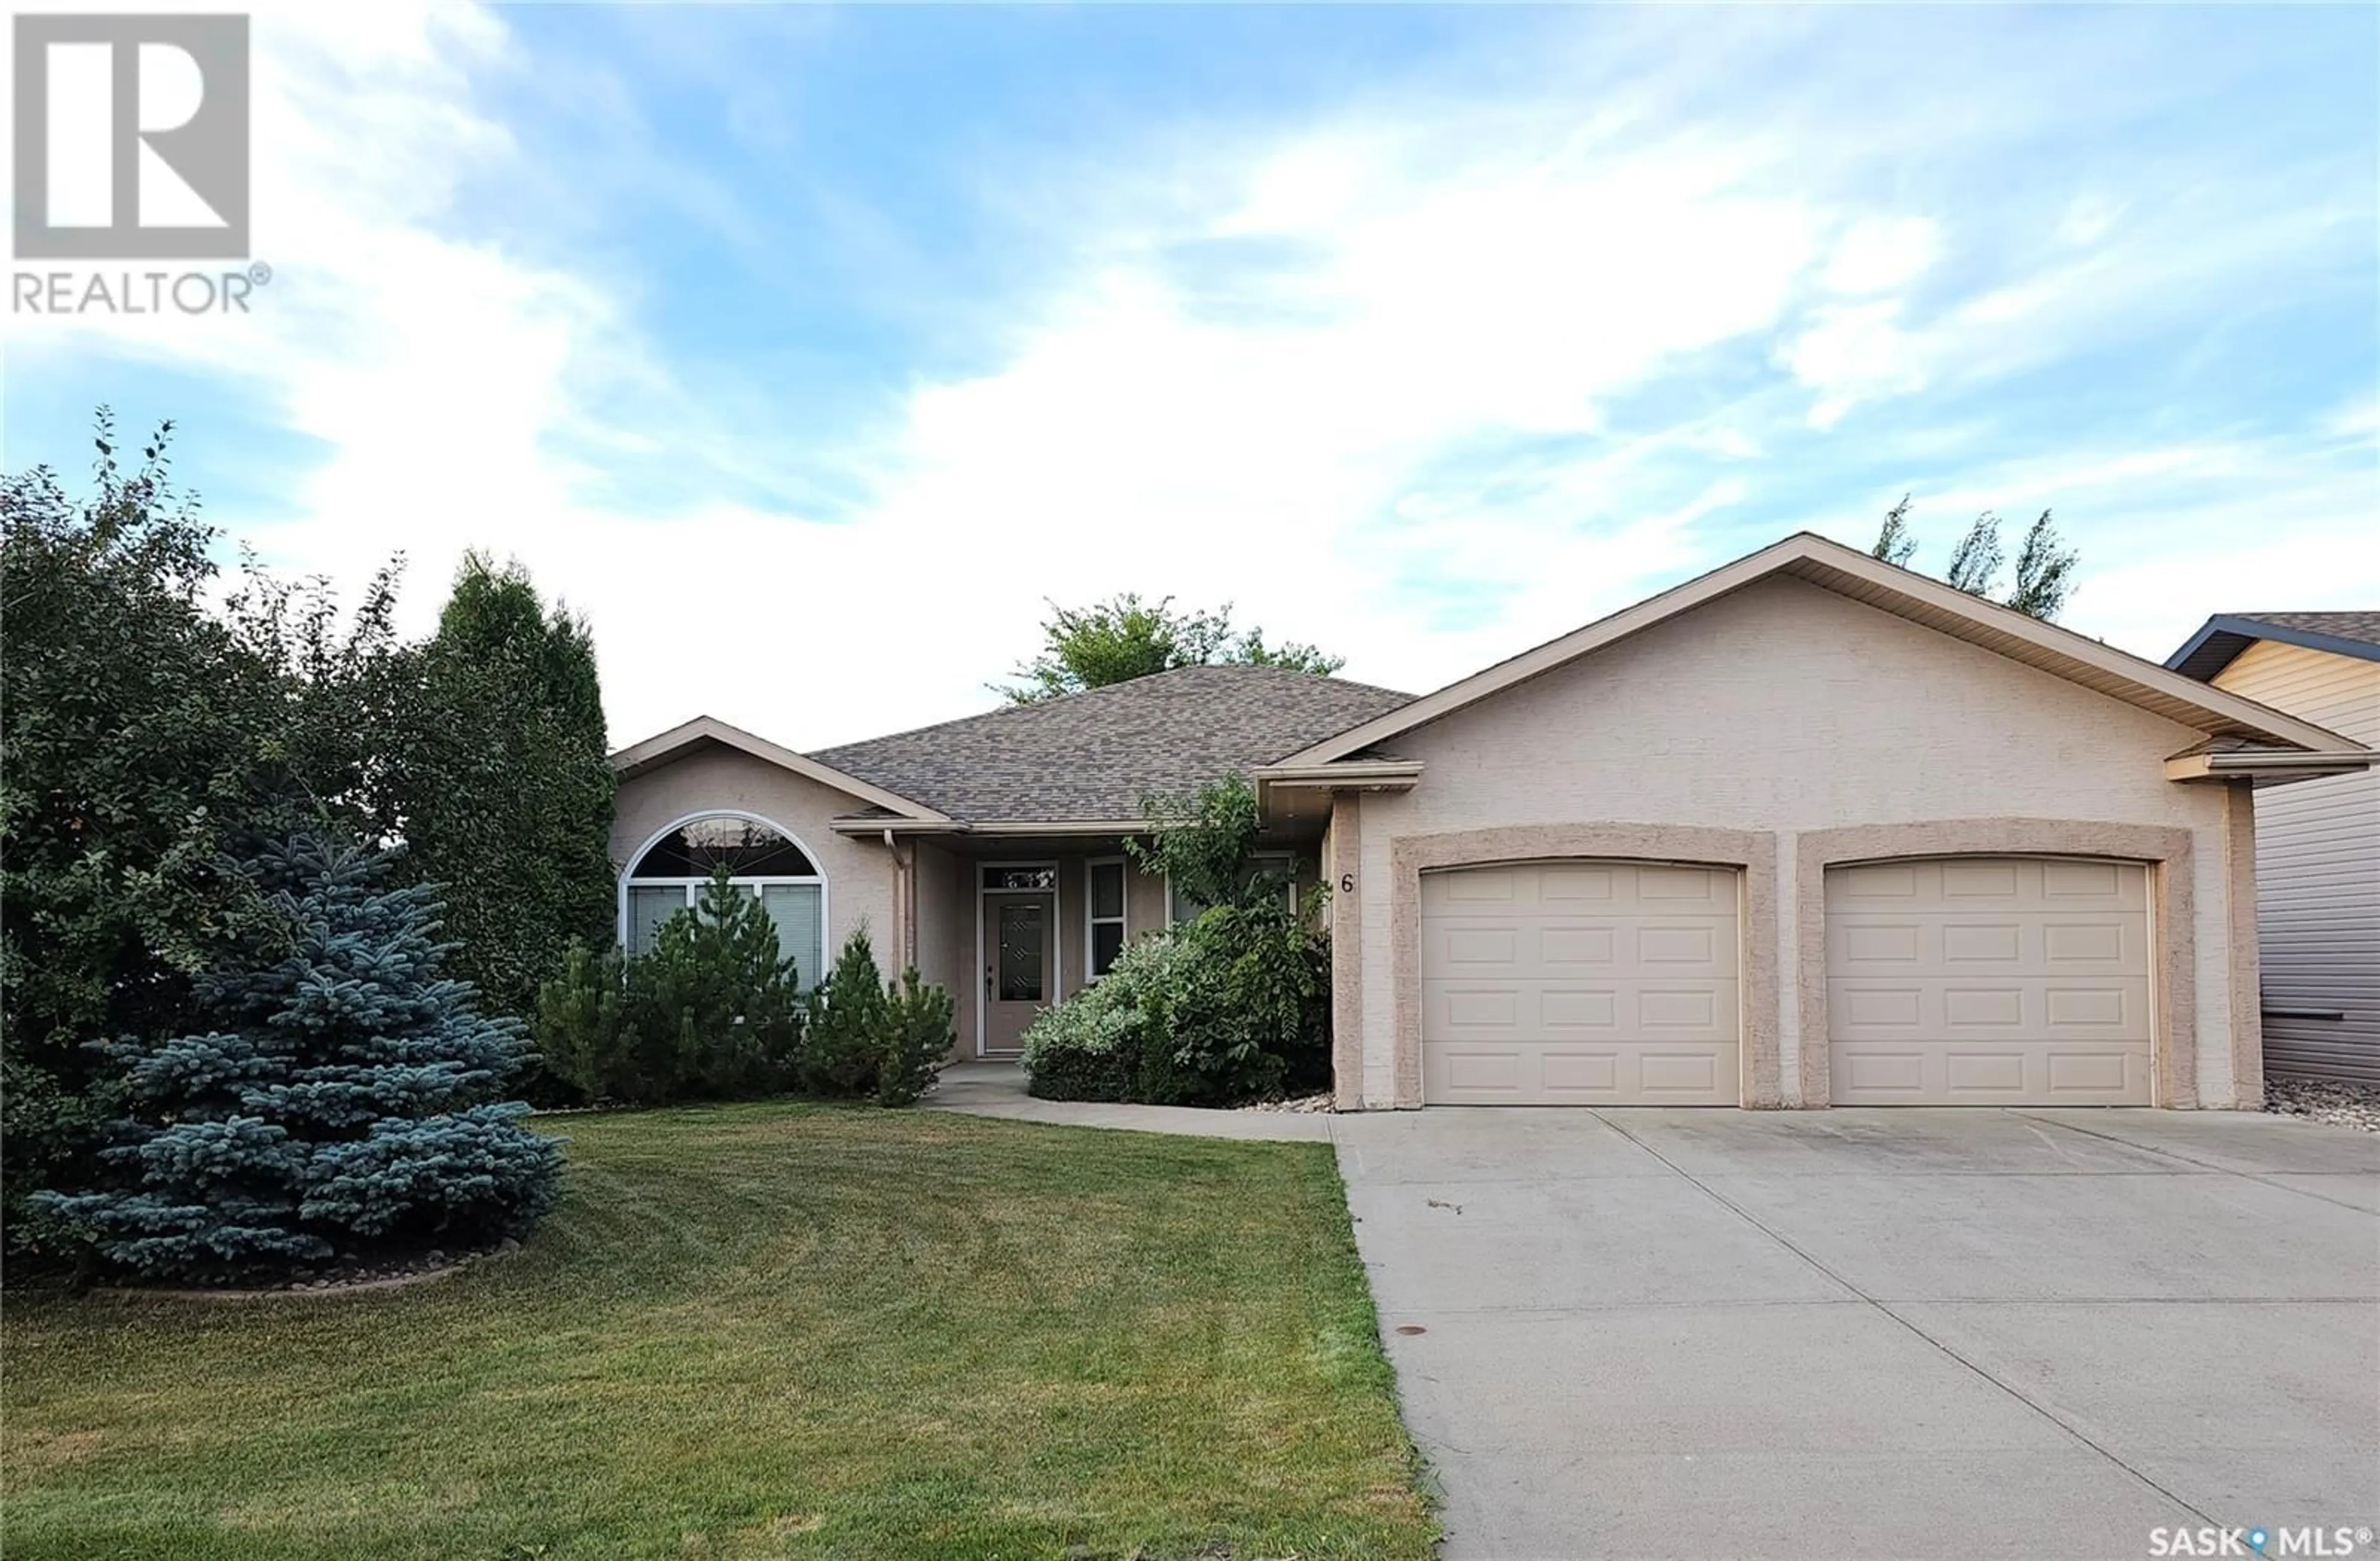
1346, 882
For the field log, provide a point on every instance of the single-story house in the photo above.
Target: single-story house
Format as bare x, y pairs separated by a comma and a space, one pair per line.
1808, 829
2318, 844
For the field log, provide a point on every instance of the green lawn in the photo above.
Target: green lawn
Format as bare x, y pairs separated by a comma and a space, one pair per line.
758, 1331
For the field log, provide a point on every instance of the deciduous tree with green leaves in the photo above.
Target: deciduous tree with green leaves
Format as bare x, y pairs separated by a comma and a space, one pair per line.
507, 790
151, 739
1125, 637
2045, 566
128, 718
1230, 1006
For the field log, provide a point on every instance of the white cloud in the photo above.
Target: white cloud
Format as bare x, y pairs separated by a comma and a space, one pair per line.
2089, 218
1382, 380
1877, 254
1851, 353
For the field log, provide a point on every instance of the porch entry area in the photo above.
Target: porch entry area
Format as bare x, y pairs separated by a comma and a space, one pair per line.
1019, 947
1045, 927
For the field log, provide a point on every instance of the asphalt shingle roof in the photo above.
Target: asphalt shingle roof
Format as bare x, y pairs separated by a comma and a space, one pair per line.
1093, 755
2339, 625
2216, 645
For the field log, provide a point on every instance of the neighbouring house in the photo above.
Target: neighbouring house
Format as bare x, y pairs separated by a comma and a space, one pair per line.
1809, 829
2318, 842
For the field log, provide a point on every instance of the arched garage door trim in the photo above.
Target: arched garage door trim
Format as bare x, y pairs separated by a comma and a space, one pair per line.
2166, 851
1752, 853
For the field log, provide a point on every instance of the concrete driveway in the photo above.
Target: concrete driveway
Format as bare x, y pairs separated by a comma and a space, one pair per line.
1875, 1333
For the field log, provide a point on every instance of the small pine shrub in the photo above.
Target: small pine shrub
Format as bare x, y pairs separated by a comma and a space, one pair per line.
921, 1027
850, 1017
584, 1030
713, 1012
717, 1005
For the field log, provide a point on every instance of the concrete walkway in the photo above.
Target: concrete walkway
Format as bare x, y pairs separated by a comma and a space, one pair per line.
997, 1089
1875, 1333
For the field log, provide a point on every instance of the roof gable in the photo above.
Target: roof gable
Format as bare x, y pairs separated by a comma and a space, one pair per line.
1918, 598
2222, 638
706, 730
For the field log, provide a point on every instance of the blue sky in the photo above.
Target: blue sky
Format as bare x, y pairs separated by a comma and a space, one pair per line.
807, 350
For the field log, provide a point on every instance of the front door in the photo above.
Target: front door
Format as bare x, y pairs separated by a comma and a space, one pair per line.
1020, 956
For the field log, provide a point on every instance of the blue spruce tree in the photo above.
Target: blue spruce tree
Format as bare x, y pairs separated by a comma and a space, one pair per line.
341, 1111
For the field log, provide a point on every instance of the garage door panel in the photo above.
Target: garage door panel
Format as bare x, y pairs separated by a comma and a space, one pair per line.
2049, 1008
1964, 885
1700, 947
1989, 980
1948, 944
1668, 1011
2034, 1073
1556, 1074
1580, 982
1577, 886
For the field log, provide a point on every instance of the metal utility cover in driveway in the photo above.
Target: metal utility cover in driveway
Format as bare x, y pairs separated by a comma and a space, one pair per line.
1875, 1334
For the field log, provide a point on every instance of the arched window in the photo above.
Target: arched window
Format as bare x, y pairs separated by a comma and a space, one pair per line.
671, 872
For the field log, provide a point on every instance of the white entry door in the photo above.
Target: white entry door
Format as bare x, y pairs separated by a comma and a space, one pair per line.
1580, 982
1989, 980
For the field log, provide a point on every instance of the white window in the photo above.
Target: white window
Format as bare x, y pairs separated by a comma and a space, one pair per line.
671, 873
1182, 906
1103, 895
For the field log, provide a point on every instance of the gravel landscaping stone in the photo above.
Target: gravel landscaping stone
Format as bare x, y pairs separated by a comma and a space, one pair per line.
2325, 1100
1303, 1104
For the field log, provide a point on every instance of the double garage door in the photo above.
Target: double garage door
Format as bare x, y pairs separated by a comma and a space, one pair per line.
1953, 981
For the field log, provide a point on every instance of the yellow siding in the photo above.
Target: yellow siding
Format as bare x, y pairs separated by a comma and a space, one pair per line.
2318, 869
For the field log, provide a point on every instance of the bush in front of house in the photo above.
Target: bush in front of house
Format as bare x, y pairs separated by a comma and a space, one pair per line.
1231, 1007
714, 1013
849, 1020
873, 1039
348, 1105
719, 1005
1249, 1014
921, 1025
1089, 1047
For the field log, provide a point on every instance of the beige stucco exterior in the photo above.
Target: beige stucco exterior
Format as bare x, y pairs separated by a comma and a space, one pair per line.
1779, 730
1787, 717
930, 920
859, 873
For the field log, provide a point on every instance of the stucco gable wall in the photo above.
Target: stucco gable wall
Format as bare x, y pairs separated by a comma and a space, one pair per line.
859, 873
1786, 708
